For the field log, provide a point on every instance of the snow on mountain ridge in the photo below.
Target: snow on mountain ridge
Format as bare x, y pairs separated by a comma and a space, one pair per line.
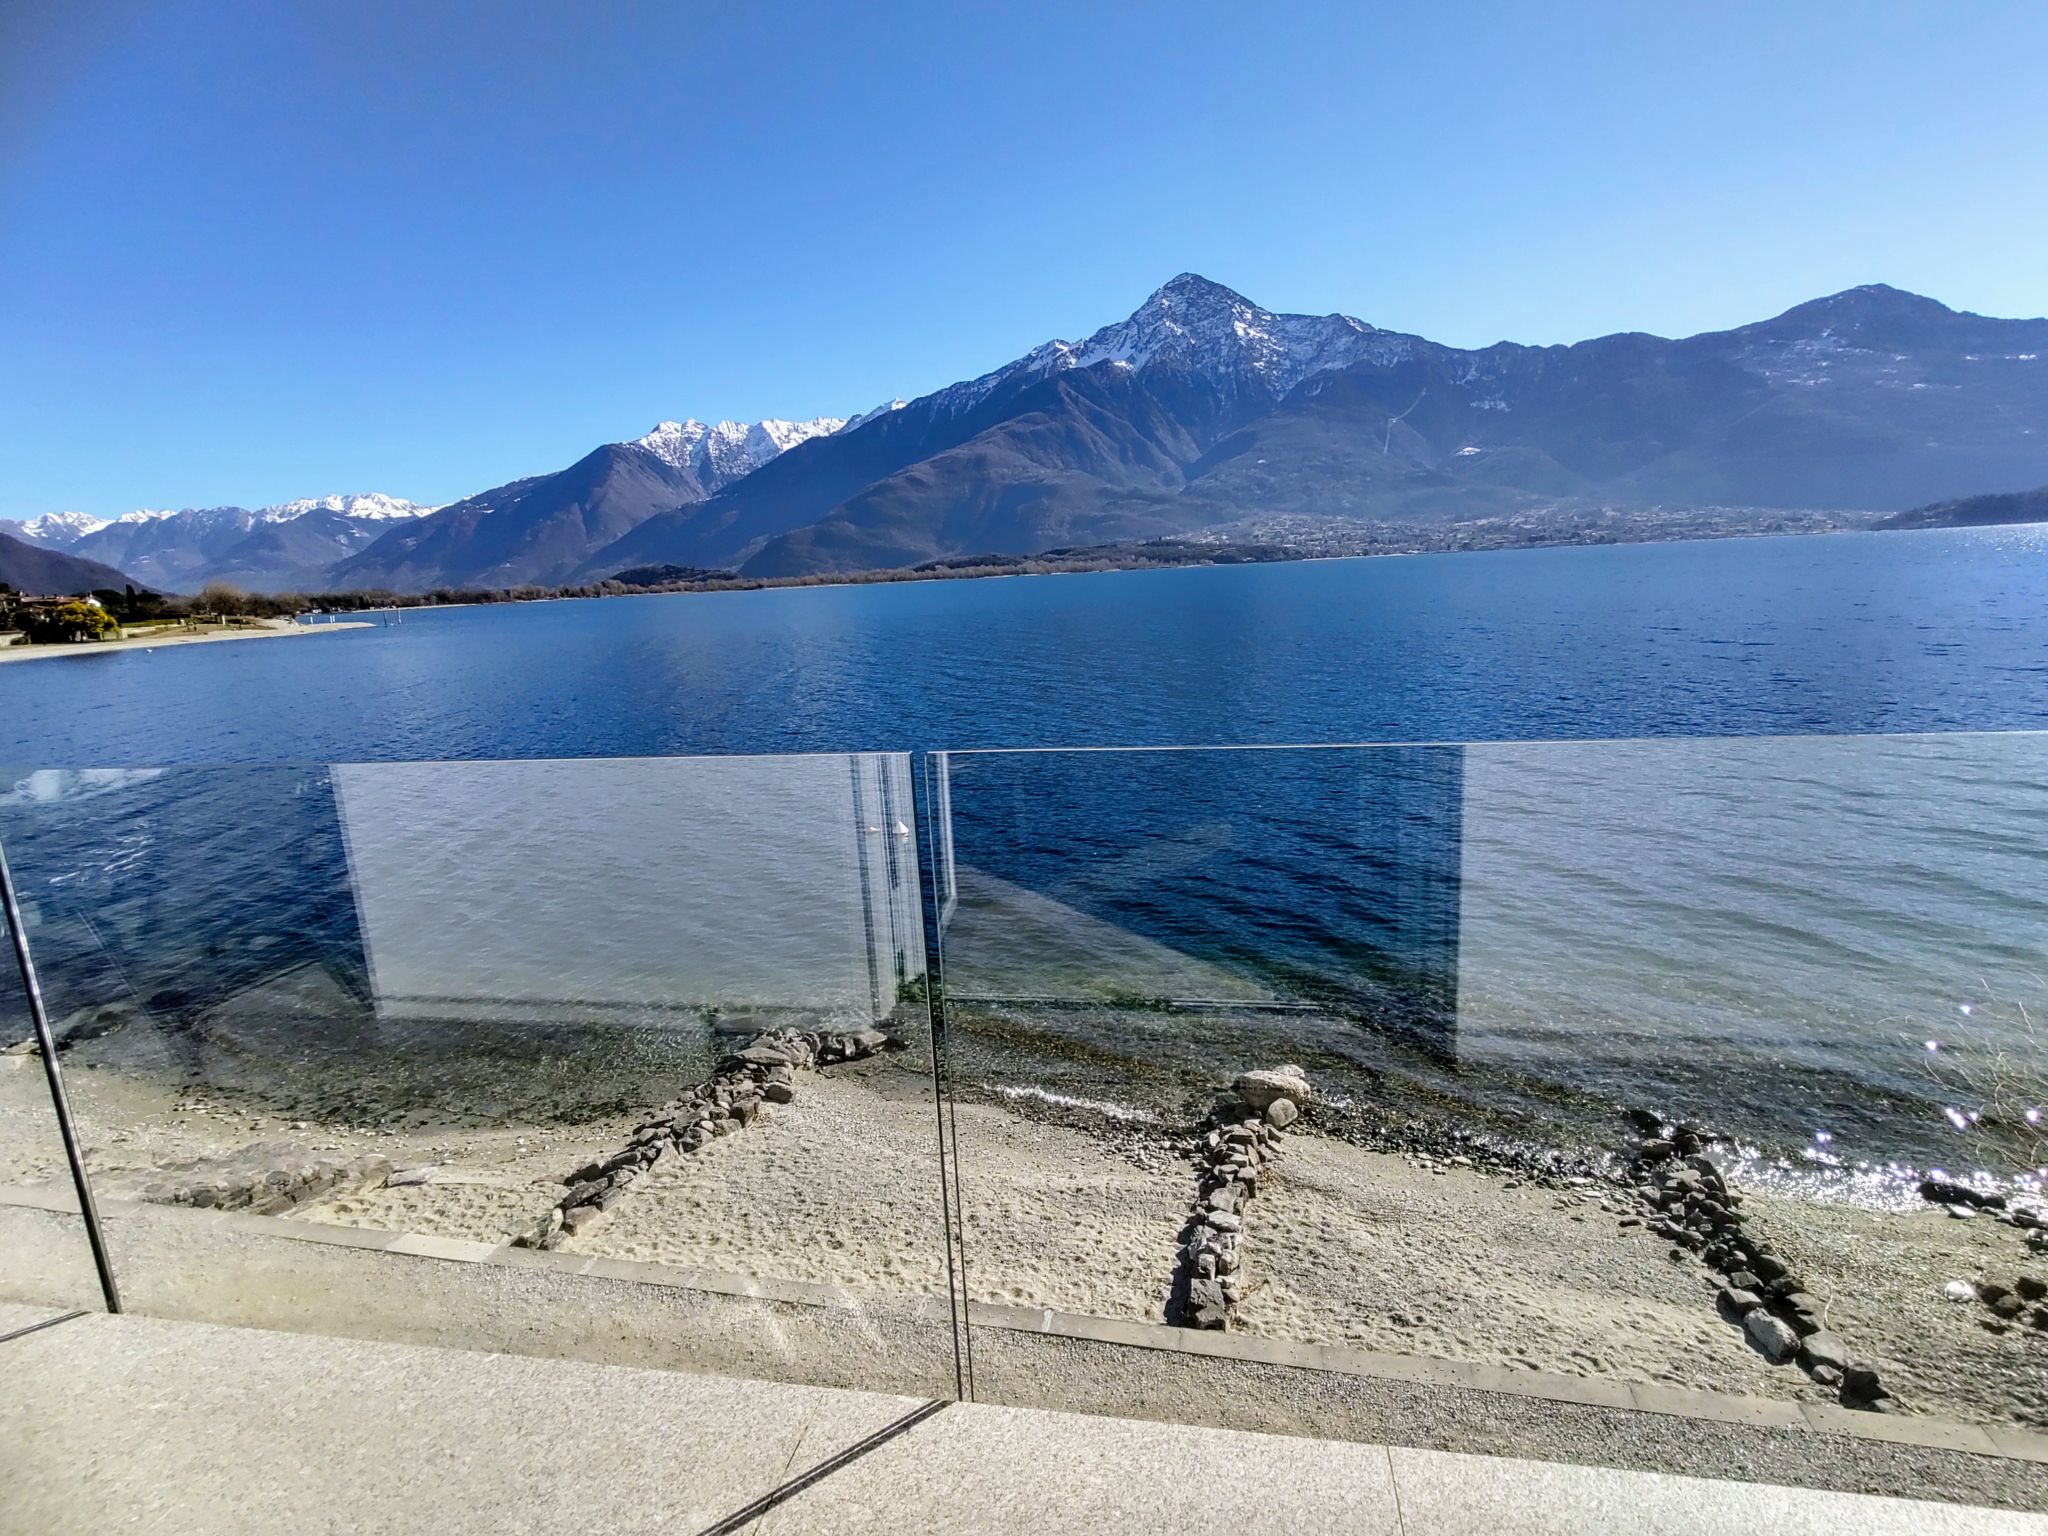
55, 530
720, 452
1203, 326
370, 506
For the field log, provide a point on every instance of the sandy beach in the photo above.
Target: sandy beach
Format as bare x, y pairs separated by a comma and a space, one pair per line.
159, 639
1066, 1209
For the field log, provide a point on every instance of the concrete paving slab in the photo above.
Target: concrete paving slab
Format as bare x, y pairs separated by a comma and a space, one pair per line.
1024, 1471
15, 1315
126, 1423
1445, 1492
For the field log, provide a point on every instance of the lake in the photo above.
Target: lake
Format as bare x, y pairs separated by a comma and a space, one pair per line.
1682, 868
1828, 634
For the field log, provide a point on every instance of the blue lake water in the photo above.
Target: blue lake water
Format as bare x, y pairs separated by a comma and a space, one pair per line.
1763, 931
1841, 633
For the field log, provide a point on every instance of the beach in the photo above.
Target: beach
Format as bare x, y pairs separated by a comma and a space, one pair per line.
1064, 1207
157, 639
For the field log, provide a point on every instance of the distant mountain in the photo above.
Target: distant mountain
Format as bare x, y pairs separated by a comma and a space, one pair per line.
270, 548
44, 572
540, 530
1203, 414
56, 530
1975, 512
1202, 410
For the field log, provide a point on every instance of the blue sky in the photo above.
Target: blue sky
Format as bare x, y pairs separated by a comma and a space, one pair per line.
249, 252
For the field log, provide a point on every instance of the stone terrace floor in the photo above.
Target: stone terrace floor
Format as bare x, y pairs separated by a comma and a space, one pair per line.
139, 1424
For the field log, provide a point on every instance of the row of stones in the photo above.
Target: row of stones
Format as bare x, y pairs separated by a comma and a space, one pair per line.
1962, 1200
761, 1072
1697, 1210
266, 1179
1239, 1142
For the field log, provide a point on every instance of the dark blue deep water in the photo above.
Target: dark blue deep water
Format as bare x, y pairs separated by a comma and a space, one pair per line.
1842, 633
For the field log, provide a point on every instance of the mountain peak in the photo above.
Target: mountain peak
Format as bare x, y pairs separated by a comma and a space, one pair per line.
1191, 288
718, 453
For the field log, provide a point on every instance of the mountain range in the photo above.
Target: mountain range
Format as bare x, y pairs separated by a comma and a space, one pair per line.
1202, 413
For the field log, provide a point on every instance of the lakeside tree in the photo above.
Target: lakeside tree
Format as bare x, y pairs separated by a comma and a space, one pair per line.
67, 622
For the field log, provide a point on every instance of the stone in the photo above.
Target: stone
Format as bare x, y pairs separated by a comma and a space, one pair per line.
2008, 1306
744, 1110
1768, 1266
1224, 1221
579, 1219
1207, 1306
1948, 1192
403, 1178
1959, 1290
1961, 1212
778, 1092
762, 1054
1223, 1199
1738, 1302
1824, 1350
2033, 1287
1743, 1280
1802, 1312
1773, 1338
1260, 1089
1860, 1385
1282, 1113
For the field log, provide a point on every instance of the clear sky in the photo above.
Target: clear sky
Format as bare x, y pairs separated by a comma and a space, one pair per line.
255, 251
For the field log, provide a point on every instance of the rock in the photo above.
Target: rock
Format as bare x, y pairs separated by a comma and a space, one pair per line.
579, 1219
1961, 1212
1743, 1280
1774, 1339
2033, 1287
1222, 1199
1207, 1307
1768, 1266
1261, 1088
401, 1178
2008, 1306
1959, 1290
778, 1092
1224, 1221
1737, 1303
1860, 1386
1827, 1375
1282, 1113
1824, 1349
1948, 1192
1802, 1312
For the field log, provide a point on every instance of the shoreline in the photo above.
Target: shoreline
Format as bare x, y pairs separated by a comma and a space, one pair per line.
151, 642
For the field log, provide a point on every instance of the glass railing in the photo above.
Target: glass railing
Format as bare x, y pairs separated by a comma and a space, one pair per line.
1632, 1074
566, 1028
1284, 1088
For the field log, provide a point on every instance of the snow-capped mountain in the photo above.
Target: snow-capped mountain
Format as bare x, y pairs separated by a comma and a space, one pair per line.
1196, 326
718, 453
370, 507
180, 550
1202, 409
540, 530
56, 530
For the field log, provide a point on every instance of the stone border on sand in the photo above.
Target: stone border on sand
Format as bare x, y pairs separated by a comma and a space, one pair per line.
762, 1071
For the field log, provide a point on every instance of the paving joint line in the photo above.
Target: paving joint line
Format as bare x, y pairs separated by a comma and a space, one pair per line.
48, 1322
775, 1497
